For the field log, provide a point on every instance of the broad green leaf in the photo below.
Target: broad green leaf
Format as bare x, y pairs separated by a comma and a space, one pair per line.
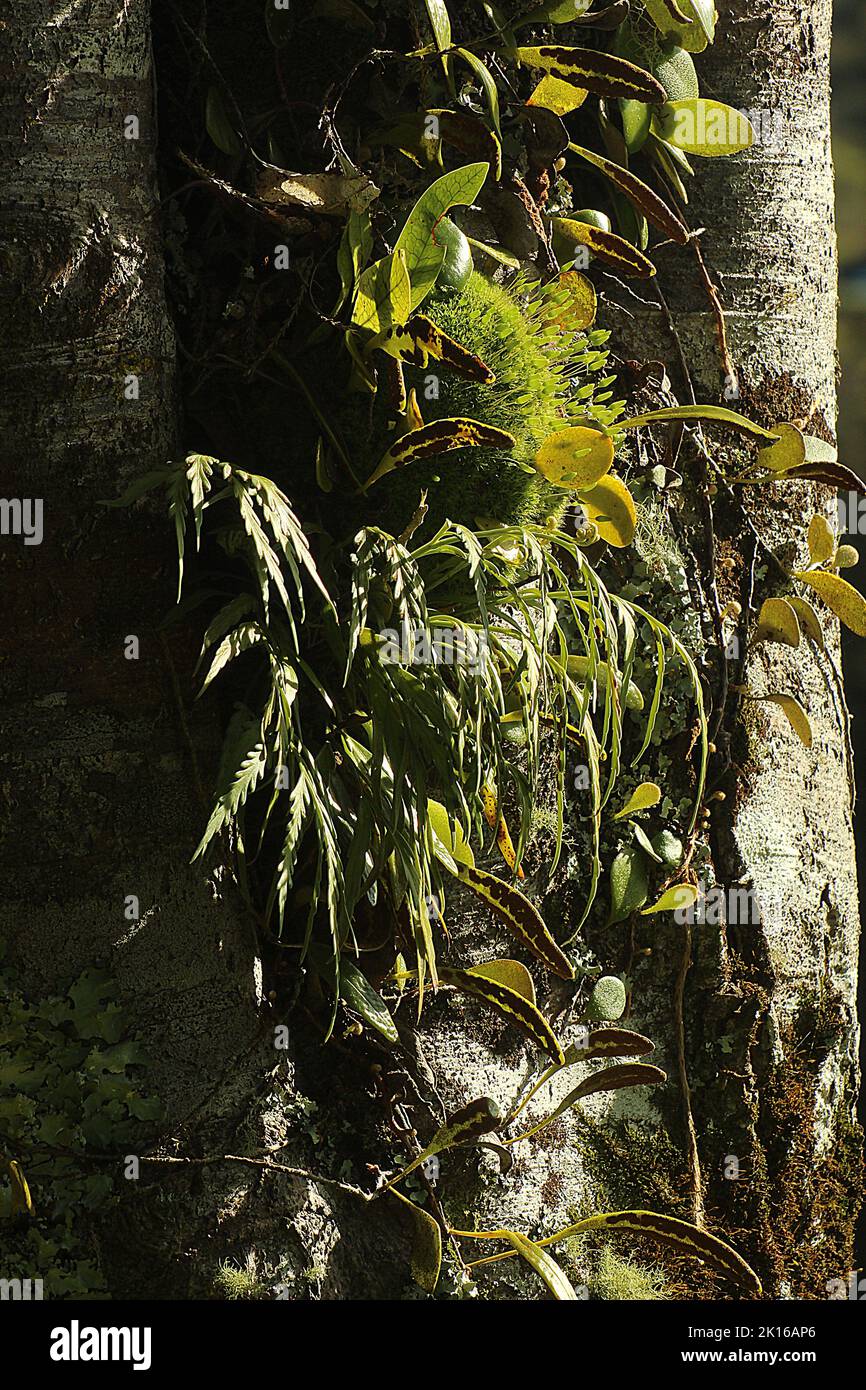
426, 1257
840, 597
602, 73
643, 197
644, 796
675, 899
691, 23
357, 992
777, 622
576, 457
579, 667
609, 247
384, 294
450, 832
636, 123
510, 1005
521, 918
789, 450
795, 714
610, 507
424, 256
629, 886
718, 413
440, 437
821, 540
706, 128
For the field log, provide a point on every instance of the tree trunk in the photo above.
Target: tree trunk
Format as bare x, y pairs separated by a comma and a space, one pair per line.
754, 1022
771, 1003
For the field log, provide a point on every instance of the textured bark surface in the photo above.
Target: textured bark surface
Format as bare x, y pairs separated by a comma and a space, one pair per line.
771, 1027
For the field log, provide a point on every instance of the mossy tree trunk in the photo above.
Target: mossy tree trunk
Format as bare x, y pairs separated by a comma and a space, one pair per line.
770, 1016
103, 796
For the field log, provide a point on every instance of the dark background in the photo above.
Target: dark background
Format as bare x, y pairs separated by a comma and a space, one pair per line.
849, 153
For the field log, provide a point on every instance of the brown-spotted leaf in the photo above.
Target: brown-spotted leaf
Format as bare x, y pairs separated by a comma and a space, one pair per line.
510, 1005
602, 73
643, 197
612, 249
520, 916
440, 437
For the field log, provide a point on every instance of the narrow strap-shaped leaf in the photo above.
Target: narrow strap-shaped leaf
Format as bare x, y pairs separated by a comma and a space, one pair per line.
718, 413
440, 437
509, 1005
639, 193
608, 1079
520, 916
478, 1117
602, 73
543, 1264
670, 1230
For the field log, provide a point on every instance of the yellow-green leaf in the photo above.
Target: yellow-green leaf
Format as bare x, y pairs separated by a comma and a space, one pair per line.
509, 973
610, 506
821, 540
839, 596
674, 899
789, 450
426, 1257
644, 796
450, 832
608, 1079
796, 715
810, 623
543, 1264
384, 294
21, 1199
706, 128
574, 304
558, 96
778, 622
574, 458
718, 413
357, 992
